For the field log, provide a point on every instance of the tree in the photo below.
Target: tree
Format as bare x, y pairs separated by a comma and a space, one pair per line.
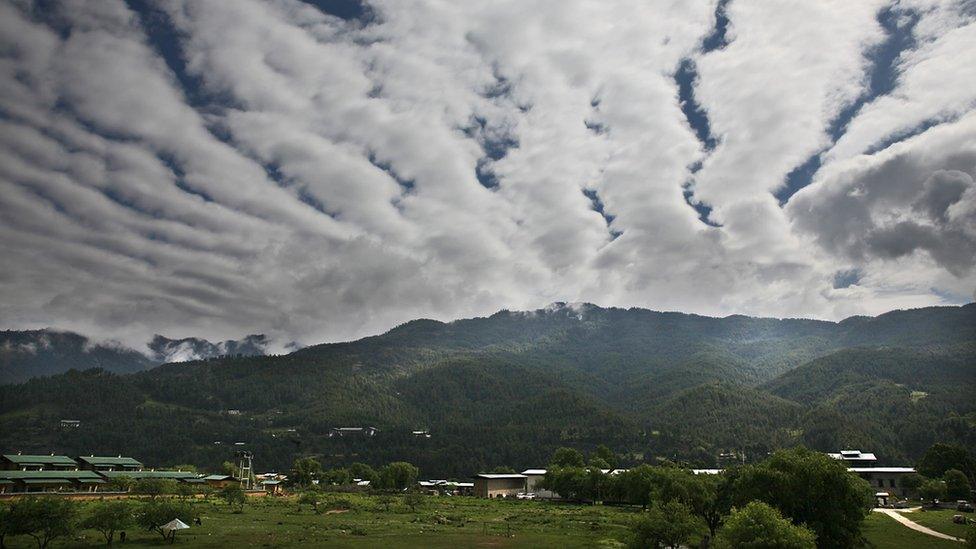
941, 457
337, 477
599, 463
809, 488
759, 526
44, 519
304, 470
669, 525
910, 483
154, 487
711, 499
606, 454
635, 485
567, 457
956, 483
120, 484
933, 491
234, 495
502, 469
364, 472
398, 475
108, 517
154, 514
7, 526
228, 468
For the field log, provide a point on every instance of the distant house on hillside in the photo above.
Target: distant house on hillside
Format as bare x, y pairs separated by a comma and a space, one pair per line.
421, 434
70, 424
100, 463
352, 431
855, 458
31, 462
498, 485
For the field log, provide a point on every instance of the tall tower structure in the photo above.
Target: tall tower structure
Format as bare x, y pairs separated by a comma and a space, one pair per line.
245, 469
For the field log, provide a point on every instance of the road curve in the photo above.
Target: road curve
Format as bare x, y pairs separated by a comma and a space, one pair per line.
914, 525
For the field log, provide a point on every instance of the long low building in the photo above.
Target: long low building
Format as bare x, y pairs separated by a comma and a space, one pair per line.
499, 485
50, 481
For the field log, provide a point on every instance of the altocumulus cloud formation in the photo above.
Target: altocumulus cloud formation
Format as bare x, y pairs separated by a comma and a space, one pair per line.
324, 170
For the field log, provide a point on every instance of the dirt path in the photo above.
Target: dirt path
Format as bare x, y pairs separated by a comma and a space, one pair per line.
914, 525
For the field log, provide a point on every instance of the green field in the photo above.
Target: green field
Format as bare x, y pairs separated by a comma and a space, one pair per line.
941, 521
883, 532
354, 520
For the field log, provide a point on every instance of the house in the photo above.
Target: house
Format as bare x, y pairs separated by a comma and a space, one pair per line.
100, 463
855, 458
221, 481
446, 487
50, 481
31, 462
420, 434
271, 486
352, 431
498, 485
70, 424
532, 479
886, 481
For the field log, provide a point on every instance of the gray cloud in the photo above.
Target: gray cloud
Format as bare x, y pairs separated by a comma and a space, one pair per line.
274, 169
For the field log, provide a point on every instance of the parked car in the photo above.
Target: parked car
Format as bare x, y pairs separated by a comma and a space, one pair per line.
964, 506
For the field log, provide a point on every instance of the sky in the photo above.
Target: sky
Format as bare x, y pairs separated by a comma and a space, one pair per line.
324, 170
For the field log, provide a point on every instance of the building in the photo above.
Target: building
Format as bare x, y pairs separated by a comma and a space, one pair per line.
70, 424
420, 434
886, 481
221, 481
446, 487
532, 479
353, 431
499, 485
100, 463
143, 474
855, 458
31, 462
50, 481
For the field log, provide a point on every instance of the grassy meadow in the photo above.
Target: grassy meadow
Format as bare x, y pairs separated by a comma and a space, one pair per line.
356, 520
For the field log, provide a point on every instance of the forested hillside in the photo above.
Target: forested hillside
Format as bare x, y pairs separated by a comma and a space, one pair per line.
507, 389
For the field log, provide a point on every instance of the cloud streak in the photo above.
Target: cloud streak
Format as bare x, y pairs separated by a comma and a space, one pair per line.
212, 169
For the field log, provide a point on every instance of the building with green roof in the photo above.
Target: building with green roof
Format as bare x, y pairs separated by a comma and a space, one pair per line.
108, 463
50, 481
34, 462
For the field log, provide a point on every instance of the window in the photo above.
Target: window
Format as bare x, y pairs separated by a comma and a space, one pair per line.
891, 483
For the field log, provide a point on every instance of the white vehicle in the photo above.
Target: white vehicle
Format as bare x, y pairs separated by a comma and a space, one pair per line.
525, 495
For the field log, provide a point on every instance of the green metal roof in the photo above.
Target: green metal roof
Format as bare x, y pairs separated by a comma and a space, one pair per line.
46, 481
148, 474
219, 477
28, 459
24, 475
102, 460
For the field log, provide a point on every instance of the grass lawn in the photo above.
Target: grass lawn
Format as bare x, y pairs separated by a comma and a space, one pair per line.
941, 521
883, 532
371, 522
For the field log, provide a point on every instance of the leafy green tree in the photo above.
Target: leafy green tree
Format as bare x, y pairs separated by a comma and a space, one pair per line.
810, 488
933, 490
606, 454
710, 499
337, 476
599, 463
941, 457
567, 457
956, 483
304, 471
398, 475
568, 482
154, 514
759, 526
120, 484
364, 472
636, 485
45, 519
109, 517
502, 469
910, 483
664, 525
154, 487
234, 495
7, 526
228, 468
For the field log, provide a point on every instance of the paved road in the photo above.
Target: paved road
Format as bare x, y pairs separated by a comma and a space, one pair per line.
897, 515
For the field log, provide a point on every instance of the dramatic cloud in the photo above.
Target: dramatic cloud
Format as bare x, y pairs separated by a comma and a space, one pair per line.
324, 170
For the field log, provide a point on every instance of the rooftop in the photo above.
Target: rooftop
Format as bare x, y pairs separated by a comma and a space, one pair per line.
109, 460
33, 459
499, 475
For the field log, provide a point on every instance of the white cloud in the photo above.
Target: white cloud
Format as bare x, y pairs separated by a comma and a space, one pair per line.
322, 183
